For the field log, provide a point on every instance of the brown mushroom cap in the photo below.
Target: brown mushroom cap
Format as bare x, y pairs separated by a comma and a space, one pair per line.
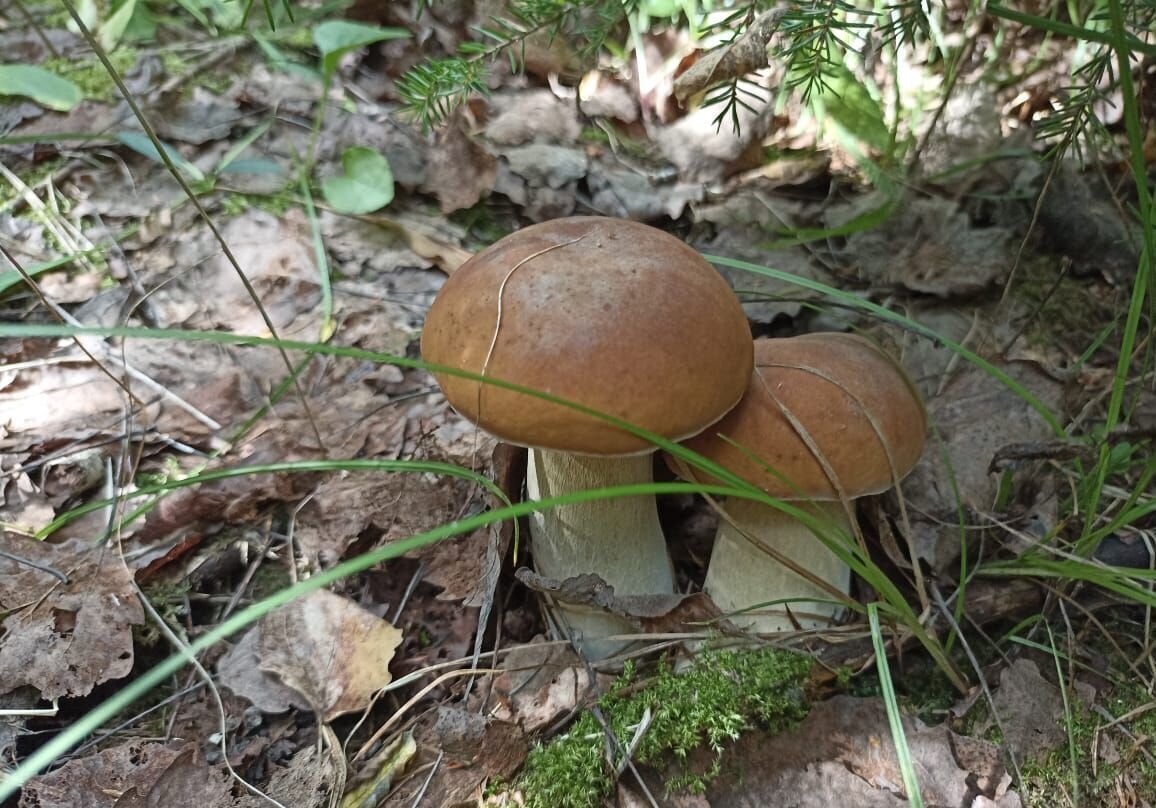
854, 403
607, 313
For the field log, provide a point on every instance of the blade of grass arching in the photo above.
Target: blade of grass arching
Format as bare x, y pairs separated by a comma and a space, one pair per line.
194, 200
325, 349
895, 603
12, 277
296, 466
327, 324
805, 235
238, 148
1075, 32
1123, 48
1124, 581
855, 302
894, 717
108, 709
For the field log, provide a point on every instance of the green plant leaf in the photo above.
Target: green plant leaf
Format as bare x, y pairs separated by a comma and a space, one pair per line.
139, 143
42, 86
112, 30
850, 104
366, 185
335, 38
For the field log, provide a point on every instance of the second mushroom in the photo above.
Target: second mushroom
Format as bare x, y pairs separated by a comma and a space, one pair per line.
826, 418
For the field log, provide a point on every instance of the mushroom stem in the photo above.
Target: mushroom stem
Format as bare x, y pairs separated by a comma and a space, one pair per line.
619, 539
742, 575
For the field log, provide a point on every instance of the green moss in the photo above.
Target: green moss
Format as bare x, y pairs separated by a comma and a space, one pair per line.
705, 707
1061, 778
89, 74
234, 204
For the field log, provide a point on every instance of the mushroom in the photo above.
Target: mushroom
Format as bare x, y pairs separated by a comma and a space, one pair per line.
615, 316
827, 418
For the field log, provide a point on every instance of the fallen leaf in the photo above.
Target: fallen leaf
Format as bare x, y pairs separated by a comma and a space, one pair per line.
240, 671
532, 116
928, 245
65, 638
747, 53
842, 754
474, 749
975, 416
111, 778
540, 683
660, 614
460, 171
1031, 710
330, 650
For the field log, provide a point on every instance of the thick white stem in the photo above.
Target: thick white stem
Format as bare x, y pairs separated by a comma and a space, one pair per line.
741, 575
618, 539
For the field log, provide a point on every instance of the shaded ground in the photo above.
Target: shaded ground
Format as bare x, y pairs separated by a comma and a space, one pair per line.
102, 546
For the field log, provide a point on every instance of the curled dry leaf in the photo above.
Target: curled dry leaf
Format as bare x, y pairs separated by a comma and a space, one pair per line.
65, 638
733, 60
330, 650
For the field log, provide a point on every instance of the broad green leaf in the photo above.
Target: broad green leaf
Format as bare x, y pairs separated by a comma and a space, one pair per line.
42, 86
335, 38
139, 143
851, 105
252, 165
366, 185
112, 29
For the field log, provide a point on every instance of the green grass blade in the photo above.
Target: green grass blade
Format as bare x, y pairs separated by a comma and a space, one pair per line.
894, 716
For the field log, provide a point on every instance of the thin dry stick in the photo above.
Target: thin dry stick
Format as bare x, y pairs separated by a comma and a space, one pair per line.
401, 711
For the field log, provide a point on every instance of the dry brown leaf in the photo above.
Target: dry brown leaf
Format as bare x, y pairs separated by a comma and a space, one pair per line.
460, 172
746, 54
240, 671
65, 638
535, 116
330, 650
186, 781
307, 781
660, 614
975, 415
475, 749
277, 257
842, 755
112, 778
928, 245
1032, 710
541, 683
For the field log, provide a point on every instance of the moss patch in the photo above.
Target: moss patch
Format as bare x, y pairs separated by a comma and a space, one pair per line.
707, 706
89, 74
1073, 775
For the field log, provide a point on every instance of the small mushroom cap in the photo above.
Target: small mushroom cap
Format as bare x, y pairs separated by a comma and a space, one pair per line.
608, 313
838, 393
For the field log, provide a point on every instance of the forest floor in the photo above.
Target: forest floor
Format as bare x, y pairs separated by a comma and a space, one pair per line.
156, 485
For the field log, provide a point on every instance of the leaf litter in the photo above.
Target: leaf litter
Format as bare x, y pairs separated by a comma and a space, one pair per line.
72, 431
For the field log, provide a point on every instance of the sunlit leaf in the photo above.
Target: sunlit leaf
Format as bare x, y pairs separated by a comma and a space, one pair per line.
42, 86
366, 185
